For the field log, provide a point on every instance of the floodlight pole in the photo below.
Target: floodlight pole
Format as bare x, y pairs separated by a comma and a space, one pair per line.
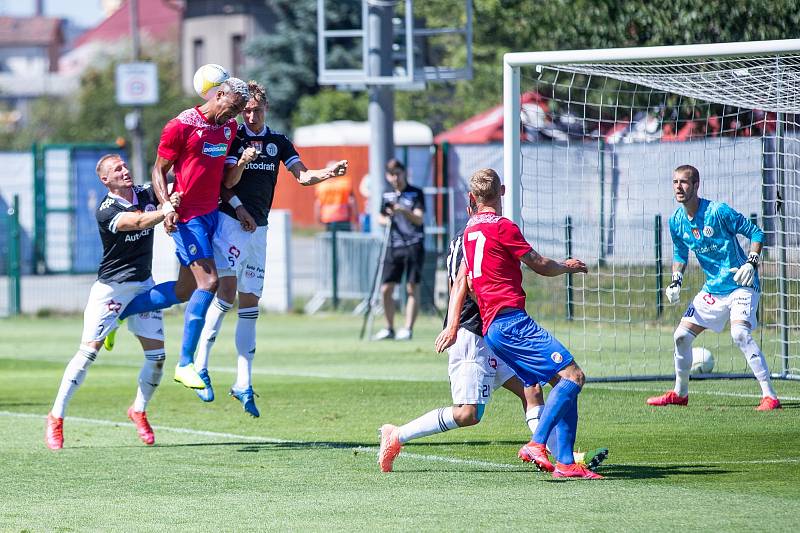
139, 172
381, 101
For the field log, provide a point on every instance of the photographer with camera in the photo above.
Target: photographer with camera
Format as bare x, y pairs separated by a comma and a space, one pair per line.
403, 208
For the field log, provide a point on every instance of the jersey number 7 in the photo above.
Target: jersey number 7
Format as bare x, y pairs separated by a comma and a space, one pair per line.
478, 259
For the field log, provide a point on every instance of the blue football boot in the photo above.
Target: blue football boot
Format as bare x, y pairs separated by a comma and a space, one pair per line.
207, 394
247, 398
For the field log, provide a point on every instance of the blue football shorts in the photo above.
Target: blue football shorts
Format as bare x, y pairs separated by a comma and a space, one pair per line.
530, 350
193, 238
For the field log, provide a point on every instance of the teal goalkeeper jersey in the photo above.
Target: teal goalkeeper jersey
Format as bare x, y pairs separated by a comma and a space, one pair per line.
711, 235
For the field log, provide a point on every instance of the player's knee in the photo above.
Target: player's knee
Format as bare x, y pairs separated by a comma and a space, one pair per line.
467, 415
574, 373
580, 377
740, 334
210, 284
226, 291
683, 337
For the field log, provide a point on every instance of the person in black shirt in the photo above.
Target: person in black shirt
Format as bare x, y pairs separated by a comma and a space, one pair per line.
125, 217
240, 240
403, 209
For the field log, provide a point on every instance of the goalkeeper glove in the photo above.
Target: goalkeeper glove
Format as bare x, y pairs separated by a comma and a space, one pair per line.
674, 289
746, 274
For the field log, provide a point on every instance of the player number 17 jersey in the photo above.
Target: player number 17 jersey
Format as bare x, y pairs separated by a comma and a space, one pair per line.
493, 246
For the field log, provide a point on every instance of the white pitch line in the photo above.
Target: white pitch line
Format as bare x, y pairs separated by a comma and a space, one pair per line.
406, 455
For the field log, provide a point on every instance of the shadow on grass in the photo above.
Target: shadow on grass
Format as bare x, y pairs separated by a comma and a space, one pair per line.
612, 471
44, 405
250, 446
746, 406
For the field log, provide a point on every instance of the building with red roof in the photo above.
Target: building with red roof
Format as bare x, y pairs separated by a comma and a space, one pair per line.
159, 21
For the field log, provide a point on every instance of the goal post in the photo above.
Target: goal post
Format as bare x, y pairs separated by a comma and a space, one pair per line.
590, 138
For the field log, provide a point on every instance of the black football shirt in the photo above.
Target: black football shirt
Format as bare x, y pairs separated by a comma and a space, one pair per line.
256, 188
127, 255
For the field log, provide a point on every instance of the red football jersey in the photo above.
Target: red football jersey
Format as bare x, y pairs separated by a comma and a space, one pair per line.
198, 149
492, 248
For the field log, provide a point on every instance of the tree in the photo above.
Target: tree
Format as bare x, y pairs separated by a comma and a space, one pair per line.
286, 59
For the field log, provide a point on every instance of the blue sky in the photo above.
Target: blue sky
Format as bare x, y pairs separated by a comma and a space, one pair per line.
86, 13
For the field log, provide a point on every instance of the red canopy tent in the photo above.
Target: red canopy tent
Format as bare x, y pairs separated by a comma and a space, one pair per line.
487, 126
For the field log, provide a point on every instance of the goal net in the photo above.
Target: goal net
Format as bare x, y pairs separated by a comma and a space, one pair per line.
591, 139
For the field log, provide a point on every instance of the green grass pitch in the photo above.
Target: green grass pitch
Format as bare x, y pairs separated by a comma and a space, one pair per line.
308, 464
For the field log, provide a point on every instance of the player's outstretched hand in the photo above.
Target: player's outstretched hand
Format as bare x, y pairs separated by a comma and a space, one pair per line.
170, 221
339, 169
445, 339
575, 265
246, 220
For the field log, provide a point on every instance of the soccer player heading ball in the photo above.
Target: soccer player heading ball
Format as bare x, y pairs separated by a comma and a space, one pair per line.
194, 145
731, 290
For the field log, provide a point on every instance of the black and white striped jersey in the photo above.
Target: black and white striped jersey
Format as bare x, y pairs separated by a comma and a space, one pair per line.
470, 314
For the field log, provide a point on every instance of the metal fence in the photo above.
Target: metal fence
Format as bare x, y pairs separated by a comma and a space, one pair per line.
346, 271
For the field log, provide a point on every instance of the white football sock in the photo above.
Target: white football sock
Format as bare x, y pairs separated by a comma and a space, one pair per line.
683, 359
245, 346
436, 421
532, 417
149, 378
214, 317
74, 375
758, 364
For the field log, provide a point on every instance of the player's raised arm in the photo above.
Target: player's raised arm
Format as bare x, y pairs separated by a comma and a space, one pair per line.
305, 176
544, 266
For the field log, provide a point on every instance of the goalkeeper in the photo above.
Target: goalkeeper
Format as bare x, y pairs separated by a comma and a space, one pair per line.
731, 290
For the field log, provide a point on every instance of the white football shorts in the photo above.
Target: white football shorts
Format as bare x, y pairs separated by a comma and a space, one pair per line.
241, 254
474, 370
106, 302
712, 311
